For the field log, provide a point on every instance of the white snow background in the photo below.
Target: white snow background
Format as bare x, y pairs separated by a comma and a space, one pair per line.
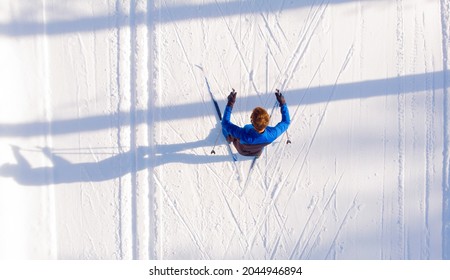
106, 129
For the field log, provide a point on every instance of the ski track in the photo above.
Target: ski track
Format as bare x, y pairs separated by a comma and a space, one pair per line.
269, 31
307, 89
47, 100
223, 183
186, 57
282, 232
231, 212
300, 238
153, 44
222, 66
127, 241
284, 207
113, 82
274, 192
318, 220
236, 45
429, 147
300, 50
303, 51
257, 167
188, 225
384, 184
293, 117
445, 24
132, 130
344, 220
401, 133
297, 60
277, 166
349, 54
277, 66
160, 228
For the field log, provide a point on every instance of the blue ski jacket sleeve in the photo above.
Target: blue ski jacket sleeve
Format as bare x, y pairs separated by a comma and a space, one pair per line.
249, 136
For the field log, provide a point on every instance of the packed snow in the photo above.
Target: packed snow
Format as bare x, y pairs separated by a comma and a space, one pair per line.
107, 127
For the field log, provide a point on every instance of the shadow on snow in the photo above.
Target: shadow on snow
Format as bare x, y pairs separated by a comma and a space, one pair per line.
22, 27
120, 164
297, 97
140, 158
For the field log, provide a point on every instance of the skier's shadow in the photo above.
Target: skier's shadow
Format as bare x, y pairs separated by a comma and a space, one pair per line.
176, 153
63, 171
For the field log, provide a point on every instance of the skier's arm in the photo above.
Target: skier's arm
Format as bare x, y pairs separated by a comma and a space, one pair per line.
285, 117
232, 129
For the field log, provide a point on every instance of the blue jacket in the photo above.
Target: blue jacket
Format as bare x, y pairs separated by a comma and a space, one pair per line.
250, 142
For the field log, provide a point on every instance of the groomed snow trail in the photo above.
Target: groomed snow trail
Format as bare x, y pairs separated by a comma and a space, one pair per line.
445, 20
107, 128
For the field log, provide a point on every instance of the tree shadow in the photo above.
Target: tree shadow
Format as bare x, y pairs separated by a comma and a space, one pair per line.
121, 164
295, 97
163, 14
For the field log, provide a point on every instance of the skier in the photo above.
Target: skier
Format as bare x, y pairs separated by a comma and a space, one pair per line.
252, 138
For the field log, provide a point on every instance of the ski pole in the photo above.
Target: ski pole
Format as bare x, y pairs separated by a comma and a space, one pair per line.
288, 140
215, 143
287, 134
213, 152
273, 108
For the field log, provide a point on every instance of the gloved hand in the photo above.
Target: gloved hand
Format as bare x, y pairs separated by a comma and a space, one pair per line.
231, 98
280, 97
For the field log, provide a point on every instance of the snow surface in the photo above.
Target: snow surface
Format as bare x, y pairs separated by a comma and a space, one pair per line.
106, 128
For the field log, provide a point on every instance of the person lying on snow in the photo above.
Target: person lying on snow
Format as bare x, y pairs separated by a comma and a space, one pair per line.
251, 139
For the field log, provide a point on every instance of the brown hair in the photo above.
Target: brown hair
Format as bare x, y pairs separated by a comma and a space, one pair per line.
260, 118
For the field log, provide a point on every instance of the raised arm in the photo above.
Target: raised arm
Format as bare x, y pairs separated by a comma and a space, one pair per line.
283, 125
231, 128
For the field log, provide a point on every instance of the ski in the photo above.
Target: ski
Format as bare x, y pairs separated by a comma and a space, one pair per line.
219, 114
249, 173
253, 164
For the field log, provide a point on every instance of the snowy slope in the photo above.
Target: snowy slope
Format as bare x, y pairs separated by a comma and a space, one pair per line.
107, 125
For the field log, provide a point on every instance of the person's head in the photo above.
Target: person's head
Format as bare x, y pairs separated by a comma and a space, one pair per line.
260, 119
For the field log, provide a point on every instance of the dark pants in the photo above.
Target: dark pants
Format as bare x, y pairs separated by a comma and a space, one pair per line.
239, 147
